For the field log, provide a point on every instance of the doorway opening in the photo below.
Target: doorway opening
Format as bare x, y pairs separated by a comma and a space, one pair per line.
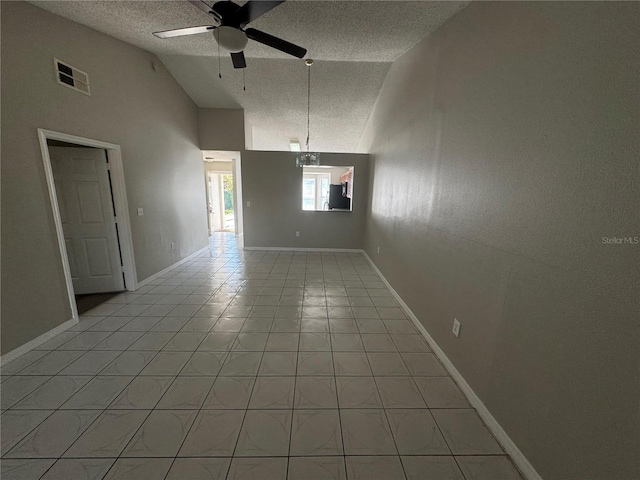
86, 189
220, 205
224, 191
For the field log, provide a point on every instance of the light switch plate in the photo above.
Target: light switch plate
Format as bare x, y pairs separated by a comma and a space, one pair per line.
140, 211
456, 327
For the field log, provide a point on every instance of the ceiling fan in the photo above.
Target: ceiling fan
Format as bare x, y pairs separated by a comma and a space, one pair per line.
229, 29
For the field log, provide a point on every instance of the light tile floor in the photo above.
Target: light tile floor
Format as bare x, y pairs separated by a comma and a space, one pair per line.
244, 365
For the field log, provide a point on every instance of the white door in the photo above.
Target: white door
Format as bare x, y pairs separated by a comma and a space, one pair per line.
215, 217
86, 208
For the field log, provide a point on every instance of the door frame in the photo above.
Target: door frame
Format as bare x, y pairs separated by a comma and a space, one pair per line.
236, 170
238, 213
119, 194
219, 193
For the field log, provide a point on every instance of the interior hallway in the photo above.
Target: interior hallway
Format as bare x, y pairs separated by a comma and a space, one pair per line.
244, 365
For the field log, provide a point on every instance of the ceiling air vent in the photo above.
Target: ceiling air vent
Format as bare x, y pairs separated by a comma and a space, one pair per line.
71, 77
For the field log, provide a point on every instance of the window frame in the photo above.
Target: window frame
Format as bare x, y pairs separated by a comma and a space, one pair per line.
317, 178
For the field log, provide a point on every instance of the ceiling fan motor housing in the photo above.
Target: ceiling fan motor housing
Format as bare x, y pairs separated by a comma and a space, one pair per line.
229, 35
224, 8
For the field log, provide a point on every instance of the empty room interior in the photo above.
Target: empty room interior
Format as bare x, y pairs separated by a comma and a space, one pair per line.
309, 240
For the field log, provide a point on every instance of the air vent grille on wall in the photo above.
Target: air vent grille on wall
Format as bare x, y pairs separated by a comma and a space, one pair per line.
71, 77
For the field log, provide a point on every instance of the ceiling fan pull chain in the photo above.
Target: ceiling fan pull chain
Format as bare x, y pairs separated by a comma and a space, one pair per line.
218, 43
244, 79
308, 104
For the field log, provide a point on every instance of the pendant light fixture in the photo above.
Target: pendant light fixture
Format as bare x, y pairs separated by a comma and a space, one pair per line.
308, 158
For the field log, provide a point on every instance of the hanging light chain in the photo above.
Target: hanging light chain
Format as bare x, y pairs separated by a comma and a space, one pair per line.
307, 158
308, 63
308, 106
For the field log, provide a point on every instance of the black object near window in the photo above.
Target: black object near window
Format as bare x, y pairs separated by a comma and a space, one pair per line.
337, 198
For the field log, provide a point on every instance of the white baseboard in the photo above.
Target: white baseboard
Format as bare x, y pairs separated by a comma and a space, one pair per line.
171, 267
36, 342
293, 249
509, 446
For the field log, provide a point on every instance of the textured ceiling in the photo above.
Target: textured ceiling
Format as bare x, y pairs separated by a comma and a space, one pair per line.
275, 102
353, 43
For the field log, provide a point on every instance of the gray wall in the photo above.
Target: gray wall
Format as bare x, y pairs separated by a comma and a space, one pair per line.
143, 111
503, 148
273, 184
221, 128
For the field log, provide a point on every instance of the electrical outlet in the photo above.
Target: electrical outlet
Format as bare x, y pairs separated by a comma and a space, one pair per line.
248, 204
297, 234
173, 246
456, 327
140, 211
378, 250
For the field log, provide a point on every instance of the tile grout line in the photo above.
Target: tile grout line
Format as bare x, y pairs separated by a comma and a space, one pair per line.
74, 394
117, 396
410, 376
204, 397
384, 409
295, 382
149, 414
244, 416
54, 410
335, 382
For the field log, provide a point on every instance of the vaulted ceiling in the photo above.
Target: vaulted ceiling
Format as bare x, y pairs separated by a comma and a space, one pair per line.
353, 44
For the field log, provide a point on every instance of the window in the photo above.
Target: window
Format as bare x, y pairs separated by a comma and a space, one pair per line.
315, 191
326, 188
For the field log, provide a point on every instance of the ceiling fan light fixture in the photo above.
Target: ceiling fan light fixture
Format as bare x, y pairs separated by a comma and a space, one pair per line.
230, 38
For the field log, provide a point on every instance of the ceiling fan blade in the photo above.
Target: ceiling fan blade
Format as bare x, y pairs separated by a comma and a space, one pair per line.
238, 60
184, 31
275, 42
250, 11
201, 5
